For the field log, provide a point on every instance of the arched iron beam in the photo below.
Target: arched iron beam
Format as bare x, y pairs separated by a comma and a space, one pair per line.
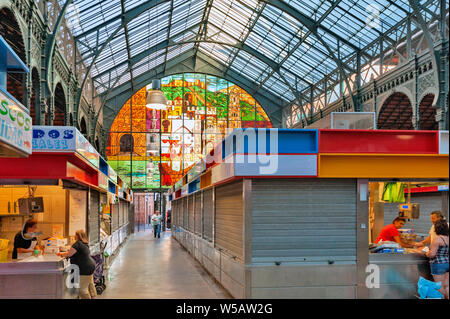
428, 39
166, 43
127, 18
51, 43
219, 72
311, 25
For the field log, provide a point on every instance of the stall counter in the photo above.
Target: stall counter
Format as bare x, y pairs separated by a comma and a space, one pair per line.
399, 273
35, 277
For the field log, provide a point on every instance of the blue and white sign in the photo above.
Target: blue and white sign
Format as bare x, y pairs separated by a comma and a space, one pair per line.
54, 139
15, 125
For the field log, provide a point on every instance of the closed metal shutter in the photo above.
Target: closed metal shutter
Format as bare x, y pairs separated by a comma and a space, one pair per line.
180, 212
115, 217
198, 213
175, 221
185, 213
229, 218
175, 213
120, 223
208, 213
122, 213
94, 217
304, 220
126, 208
191, 213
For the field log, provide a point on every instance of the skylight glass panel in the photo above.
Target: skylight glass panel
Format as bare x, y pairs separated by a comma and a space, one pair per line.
275, 84
309, 7
87, 14
130, 4
186, 14
178, 50
126, 77
217, 51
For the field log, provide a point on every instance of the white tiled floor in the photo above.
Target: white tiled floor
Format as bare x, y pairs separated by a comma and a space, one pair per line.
158, 268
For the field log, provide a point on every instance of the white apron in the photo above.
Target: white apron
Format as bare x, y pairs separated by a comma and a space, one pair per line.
26, 255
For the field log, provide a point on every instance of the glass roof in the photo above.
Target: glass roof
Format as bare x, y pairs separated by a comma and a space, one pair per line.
266, 42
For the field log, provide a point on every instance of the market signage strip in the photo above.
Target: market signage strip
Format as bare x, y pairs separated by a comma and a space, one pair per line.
327, 154
383, 166
54, 139
15, 124
379, 141
63, 139
443, 142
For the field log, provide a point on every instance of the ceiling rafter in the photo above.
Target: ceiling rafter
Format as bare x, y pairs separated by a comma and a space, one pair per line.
238, 20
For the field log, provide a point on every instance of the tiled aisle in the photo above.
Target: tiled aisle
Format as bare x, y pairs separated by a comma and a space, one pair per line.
158, 268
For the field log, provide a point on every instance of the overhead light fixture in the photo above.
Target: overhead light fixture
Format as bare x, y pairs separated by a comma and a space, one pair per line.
155, 98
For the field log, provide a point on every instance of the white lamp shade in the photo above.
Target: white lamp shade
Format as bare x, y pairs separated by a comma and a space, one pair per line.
156, 100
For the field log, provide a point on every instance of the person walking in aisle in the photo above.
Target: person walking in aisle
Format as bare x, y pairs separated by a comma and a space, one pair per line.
156, 224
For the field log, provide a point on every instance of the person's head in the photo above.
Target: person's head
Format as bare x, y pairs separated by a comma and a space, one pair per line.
398, 222
441, 227
82, 236
435, 216
30, 226
157, 212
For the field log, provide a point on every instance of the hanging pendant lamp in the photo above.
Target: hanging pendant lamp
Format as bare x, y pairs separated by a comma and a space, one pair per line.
155, 98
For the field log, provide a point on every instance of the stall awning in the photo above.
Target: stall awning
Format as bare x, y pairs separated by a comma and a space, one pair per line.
10, 60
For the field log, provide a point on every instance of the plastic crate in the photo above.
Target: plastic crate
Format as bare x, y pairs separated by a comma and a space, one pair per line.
4, 250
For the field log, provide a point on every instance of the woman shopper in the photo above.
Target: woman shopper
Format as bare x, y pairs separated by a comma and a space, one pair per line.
79, 255
438, 255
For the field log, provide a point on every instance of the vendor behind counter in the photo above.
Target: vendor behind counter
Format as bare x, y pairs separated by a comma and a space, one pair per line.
390, 233
25, 241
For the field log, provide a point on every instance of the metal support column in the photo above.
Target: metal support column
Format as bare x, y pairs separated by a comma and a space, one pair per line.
362, 236
247, 236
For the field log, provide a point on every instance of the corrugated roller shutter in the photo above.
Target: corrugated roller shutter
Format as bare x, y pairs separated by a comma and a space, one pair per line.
185, 213
126, 207
115, 217
120, 214
198, 213
179, 212
303, 220
191, 213
94, 217
175, 213
229, 218
123, 215
208, 213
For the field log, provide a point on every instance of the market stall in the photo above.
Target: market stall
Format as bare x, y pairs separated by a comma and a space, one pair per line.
292, 221
62, 187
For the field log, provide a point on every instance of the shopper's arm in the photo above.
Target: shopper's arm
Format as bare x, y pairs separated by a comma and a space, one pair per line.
402, 243
424, 242
70, 253
433, 249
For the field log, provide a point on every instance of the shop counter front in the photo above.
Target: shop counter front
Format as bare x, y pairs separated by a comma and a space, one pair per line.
42, 277
399, 273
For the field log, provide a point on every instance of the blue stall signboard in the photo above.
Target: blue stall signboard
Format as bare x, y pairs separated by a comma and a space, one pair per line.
54, 139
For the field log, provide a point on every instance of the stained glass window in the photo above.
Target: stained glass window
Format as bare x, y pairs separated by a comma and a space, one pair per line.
157, 147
